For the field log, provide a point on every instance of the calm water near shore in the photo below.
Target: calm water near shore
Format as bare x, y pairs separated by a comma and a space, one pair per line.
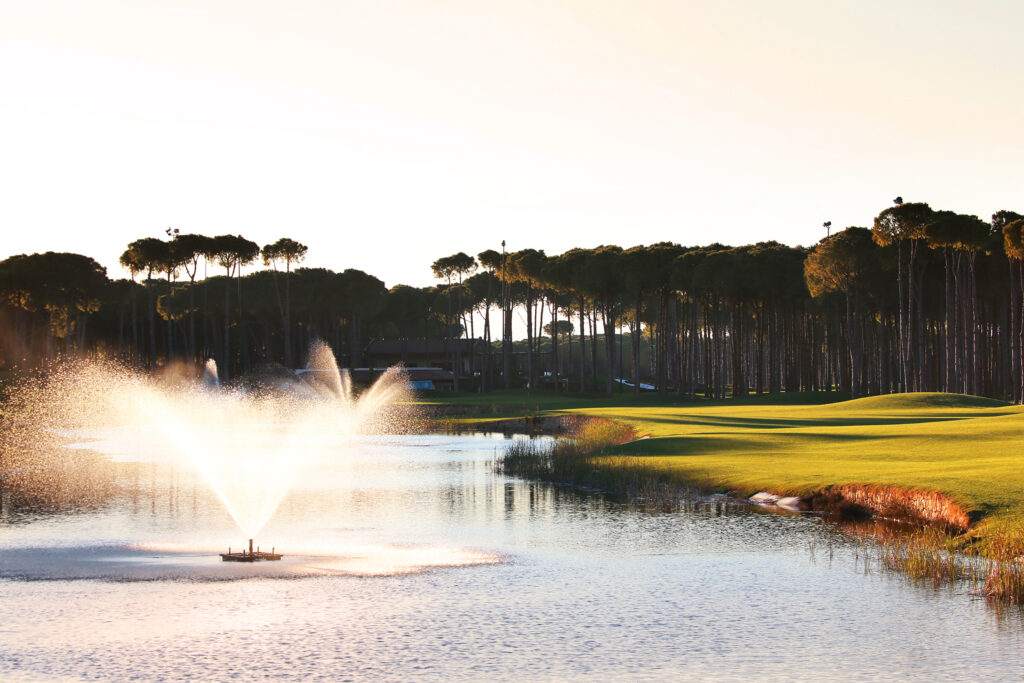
408, 558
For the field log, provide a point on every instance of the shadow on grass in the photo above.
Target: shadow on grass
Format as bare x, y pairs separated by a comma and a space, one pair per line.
775, 423
728, 443
685, 446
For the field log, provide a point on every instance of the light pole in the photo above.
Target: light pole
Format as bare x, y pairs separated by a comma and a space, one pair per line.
828, 228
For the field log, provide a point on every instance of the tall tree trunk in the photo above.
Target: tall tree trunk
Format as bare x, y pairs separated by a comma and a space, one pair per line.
739, 376
289, 361
911, 338
506, 334
136, 354
243, 329
955, 379
538, 327
920, 342
224, 372
486, 377
950, 324
635, 339
458, 347
853, 341
695, 349
609, 347
883, 354
152, 320
583, 346
192, 319
120, 331
206, 321
1016, 328
529, 337
673, 342
901, 298
170, 322
662, 343
554, 342
972, 283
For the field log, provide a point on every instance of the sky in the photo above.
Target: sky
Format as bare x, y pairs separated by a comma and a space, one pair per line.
385, 134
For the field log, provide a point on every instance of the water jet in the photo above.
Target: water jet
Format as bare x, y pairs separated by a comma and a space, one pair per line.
249, 443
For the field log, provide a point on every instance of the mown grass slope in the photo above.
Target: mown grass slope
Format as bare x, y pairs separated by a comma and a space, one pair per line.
970, 448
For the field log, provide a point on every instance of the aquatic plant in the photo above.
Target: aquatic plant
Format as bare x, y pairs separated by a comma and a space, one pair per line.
581, 460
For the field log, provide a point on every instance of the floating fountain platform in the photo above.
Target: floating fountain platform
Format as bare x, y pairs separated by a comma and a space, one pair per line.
251, 556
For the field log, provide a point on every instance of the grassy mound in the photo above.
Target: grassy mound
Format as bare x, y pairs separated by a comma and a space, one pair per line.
921, 400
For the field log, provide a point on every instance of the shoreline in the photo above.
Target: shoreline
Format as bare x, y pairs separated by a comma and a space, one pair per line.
848, 500
939, 542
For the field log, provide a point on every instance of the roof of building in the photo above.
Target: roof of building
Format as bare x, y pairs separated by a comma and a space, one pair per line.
399, 347
414, 374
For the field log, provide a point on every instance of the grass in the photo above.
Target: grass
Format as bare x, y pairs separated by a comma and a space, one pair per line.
971, 449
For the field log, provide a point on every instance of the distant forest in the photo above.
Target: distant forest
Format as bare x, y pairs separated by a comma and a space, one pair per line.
924, 300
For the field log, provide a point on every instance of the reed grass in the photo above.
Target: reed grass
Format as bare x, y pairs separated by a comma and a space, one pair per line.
925, 555
581, 460
1003, 553
940, 557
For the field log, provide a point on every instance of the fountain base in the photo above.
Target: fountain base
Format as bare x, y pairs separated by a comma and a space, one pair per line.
250, 556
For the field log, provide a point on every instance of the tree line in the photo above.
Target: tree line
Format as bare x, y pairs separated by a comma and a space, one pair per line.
922, 300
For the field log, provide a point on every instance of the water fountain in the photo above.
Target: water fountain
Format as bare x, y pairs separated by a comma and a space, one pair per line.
249, 445
251, 556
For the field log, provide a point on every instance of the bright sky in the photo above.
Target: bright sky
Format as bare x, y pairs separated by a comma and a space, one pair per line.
387, 133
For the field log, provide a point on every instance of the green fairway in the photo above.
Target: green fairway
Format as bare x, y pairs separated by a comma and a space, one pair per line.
970, 448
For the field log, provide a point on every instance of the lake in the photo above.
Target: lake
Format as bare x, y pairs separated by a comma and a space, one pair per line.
409, 558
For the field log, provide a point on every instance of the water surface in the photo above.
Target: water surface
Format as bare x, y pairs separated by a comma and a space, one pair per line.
409, 558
